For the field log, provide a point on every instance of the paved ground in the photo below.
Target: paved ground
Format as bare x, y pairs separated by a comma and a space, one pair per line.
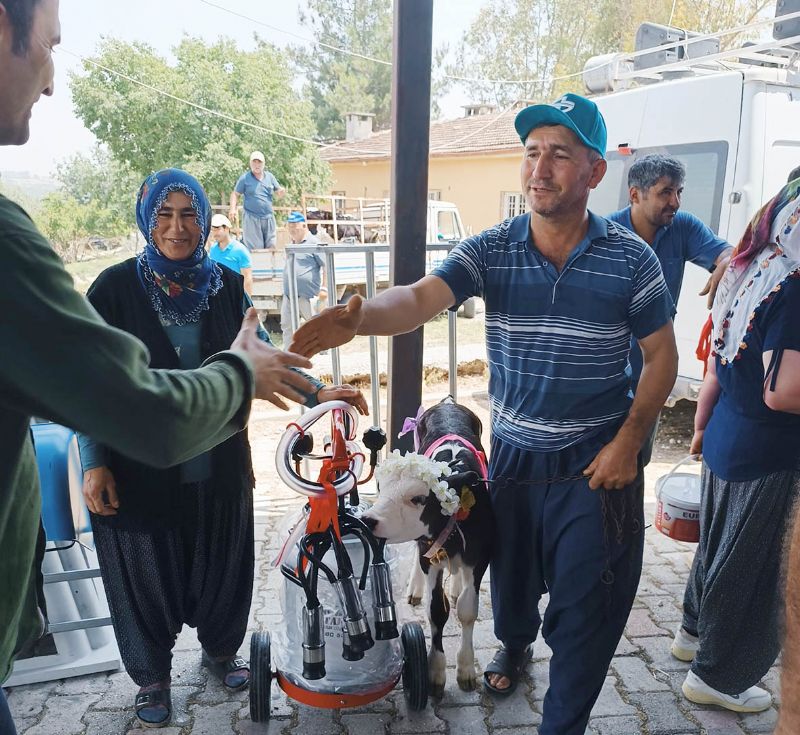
641, 693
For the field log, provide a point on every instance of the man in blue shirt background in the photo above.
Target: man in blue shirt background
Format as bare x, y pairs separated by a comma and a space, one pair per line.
258, 188
229, 251
655, 187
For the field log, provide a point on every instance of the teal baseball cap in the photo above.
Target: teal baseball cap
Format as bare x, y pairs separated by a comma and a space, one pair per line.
577, 113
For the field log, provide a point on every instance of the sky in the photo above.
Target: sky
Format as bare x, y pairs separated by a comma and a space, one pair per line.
55, 131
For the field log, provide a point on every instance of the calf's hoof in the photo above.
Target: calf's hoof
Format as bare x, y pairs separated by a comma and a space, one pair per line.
414, 600
467, 682
436, 690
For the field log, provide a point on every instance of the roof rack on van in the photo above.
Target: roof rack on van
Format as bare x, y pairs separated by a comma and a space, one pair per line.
665, 52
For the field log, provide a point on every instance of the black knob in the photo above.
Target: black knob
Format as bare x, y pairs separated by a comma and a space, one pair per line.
374, 439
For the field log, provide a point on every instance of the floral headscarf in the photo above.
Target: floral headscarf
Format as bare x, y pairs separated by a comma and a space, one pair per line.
178, 289
767, 255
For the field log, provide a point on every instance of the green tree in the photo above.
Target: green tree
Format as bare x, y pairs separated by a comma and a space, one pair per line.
145, 130
543, 39
67, 223
337, 83
106, 186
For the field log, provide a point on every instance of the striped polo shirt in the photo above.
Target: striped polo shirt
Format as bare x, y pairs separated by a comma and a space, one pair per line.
558, 342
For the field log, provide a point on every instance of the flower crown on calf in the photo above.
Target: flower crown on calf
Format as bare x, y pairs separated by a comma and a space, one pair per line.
412, 466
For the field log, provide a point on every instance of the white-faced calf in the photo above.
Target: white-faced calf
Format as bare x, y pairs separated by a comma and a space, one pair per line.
438, 497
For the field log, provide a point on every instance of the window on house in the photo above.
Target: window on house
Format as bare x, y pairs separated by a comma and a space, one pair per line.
514, 204
435, 195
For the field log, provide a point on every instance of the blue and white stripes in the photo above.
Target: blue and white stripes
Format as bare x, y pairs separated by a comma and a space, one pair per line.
558, 342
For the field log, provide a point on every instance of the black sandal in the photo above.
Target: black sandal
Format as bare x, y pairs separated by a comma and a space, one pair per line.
154, 707
234, 672
509, 663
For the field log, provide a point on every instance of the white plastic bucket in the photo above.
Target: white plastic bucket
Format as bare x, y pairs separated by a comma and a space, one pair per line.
678, 504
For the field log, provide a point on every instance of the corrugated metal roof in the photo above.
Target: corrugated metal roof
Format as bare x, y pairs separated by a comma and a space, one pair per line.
477, 134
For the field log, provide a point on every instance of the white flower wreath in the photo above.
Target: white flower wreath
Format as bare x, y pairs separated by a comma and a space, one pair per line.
412, 466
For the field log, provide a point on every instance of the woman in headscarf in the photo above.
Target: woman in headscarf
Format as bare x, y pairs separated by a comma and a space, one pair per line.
176, 546
748, 429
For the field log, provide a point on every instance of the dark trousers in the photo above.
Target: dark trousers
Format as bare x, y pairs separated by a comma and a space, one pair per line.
6, 723
199, 574
734, 597
581, 546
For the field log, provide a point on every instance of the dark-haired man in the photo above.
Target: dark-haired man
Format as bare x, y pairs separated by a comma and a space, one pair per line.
655, 187
60, 361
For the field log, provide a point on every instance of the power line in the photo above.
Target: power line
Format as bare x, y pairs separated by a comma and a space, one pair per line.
297, 35
209, 111
493, 121
521, 82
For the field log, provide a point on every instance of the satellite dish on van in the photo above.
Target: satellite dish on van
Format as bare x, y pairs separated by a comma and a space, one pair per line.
601, 73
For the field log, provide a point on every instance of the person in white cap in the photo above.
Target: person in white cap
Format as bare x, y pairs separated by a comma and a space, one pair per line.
228, 251
258, 188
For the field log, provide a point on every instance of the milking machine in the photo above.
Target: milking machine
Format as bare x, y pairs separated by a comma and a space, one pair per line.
326, 654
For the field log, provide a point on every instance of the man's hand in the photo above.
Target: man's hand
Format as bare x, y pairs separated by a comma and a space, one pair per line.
271, 366
711, 285
96, 482
233, 214
615, 466
332, 327
346, 393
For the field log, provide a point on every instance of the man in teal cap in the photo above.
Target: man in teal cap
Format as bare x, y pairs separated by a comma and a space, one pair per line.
564, 291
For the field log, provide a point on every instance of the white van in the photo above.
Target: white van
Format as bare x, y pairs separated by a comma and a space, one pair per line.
738, 134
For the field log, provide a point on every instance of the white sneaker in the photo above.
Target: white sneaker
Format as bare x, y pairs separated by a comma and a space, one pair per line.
684, 645
753, 699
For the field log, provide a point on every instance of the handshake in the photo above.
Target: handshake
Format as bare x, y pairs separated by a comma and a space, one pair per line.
275, 371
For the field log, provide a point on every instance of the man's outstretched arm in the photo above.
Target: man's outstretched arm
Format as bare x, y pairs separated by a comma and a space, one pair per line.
398, 310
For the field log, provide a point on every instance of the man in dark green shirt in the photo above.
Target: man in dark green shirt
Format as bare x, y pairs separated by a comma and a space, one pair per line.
60, 361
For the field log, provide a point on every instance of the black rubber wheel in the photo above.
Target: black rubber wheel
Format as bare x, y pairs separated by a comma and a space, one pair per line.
415, 666
260, 676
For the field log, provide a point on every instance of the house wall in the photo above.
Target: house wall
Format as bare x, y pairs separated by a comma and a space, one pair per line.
474, 183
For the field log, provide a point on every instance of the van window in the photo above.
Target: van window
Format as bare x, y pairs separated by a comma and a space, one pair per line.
613, 189
705, 176
447, 226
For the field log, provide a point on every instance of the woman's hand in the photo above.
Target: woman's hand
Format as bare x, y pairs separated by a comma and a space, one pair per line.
96, 482
696, 447
346, 393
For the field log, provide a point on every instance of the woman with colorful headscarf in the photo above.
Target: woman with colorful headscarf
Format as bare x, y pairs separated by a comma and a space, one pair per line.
176, 546
747, 425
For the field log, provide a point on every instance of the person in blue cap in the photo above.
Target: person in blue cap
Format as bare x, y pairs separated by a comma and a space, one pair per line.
564, 289
309, 276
